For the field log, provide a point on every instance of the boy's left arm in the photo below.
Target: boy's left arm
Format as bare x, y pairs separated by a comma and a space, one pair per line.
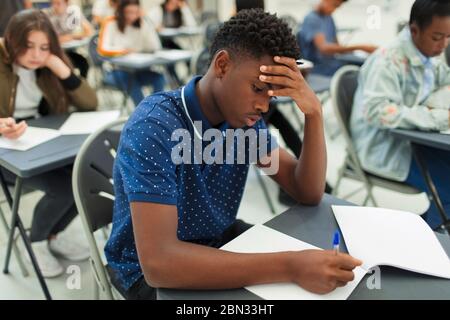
304, 179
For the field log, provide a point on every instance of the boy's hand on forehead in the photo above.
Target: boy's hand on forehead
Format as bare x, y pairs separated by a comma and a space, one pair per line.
287, 81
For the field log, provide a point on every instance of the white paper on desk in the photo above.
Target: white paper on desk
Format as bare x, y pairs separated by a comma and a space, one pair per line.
395, 238
87, 122
446, 132
173, 55
31, 138
261, 239
136, 58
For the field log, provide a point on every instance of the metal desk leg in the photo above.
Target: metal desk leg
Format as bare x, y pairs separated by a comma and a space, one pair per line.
16, 222
7, 228
431, 187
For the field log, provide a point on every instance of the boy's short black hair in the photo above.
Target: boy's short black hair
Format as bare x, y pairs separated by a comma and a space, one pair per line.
255, 33
423, 11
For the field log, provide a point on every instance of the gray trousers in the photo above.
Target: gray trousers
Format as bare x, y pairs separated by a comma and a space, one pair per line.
56, 209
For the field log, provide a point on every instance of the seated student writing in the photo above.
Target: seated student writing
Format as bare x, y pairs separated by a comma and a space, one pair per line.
37, 79
70, 24
318, 39
125, 33
395, 84
170, 216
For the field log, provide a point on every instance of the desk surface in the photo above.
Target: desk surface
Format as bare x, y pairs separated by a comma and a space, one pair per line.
50, 155
139, 61
181, 32
309, 224
430, 139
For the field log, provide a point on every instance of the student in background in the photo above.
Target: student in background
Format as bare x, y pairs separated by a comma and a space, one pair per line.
70, 24
393, 88
36, 79
318, 39
125, 33
172, 14
170, 217
9, 8
103, 9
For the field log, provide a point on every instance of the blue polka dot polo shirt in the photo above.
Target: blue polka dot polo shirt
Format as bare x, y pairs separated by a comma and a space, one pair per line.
207, 196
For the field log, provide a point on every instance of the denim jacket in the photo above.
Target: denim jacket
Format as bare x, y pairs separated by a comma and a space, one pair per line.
389, 94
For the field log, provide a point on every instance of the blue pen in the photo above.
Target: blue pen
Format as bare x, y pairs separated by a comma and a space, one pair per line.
336, 240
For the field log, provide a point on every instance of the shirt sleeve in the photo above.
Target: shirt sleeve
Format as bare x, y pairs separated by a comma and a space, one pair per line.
311, 27
106, 44
144, 160
188, 16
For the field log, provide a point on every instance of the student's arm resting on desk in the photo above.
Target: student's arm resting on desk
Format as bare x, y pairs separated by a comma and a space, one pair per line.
383, 100
303, 179
329, 48
168, 262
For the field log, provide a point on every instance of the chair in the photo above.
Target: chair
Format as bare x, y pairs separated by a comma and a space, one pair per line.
97, 62
343, 88
92, 186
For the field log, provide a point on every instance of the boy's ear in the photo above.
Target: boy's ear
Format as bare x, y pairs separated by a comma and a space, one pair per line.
414, 29
222, 63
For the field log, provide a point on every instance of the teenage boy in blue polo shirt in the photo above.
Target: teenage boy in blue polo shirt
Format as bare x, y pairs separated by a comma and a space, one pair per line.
174, 206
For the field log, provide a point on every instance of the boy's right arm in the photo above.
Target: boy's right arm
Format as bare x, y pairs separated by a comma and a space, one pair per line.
169, 262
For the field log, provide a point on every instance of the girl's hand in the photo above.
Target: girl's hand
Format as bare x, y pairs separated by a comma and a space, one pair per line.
10, 129
58, 67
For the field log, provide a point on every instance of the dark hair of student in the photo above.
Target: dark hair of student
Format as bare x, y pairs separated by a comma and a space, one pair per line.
16, 43
255, 33
120, 14
423, 11
249, 4
176, 14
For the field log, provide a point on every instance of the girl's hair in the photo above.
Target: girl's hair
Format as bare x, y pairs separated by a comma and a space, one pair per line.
178, 17
16, 43
120, 14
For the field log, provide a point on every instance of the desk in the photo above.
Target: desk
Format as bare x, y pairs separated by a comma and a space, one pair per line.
316, 225
350, 58
75, 44
181, 32
135, 62
48, 156
433, 140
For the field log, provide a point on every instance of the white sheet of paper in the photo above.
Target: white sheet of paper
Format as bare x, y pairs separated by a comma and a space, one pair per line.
446, 132
400, 239
136, 58
87, 122
261, 239
31, 138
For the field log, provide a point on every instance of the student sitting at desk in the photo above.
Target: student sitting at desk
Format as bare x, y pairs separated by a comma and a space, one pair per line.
103, 9
394, 84
318, 40
36, 79
170, 216
70, 24
129, 32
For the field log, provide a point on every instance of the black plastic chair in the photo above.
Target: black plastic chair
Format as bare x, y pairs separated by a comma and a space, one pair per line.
93, 191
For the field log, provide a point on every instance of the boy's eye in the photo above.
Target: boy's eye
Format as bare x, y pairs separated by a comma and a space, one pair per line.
257, 89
